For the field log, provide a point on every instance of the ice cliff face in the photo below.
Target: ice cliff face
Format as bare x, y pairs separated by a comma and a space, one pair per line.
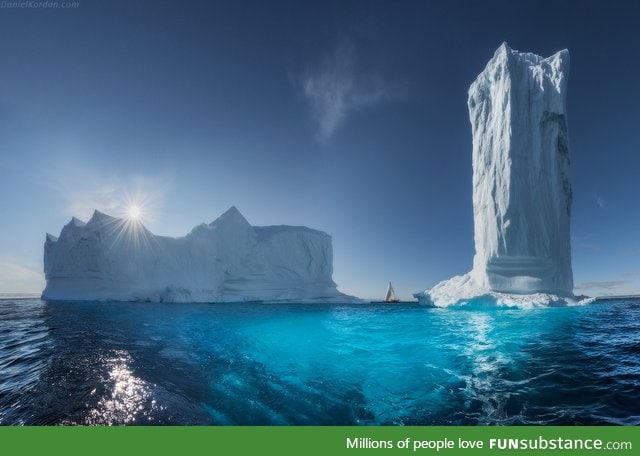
521, 182
226, 261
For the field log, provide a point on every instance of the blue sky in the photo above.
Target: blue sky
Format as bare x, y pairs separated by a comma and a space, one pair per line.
348, 117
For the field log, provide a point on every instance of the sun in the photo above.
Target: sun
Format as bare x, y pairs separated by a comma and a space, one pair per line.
134, 212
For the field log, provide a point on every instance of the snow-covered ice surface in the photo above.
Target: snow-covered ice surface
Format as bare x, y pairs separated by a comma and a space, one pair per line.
229, 260
463, 291
521, 185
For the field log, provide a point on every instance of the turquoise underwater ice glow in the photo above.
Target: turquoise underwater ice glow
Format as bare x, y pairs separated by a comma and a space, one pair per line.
145, 363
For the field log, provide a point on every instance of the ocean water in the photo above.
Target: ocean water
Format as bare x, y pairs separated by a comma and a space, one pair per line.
246, 364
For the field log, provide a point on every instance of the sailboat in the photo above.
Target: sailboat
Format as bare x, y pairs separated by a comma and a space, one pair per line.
390, 297
391, 294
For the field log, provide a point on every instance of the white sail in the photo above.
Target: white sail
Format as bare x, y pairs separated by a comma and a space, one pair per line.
391, 294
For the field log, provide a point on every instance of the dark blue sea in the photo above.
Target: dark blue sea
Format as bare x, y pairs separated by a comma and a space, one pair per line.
277, 364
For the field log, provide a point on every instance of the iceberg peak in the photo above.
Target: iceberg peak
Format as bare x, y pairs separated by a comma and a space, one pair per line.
77, 222
230, 216
99, 218
503, 49
74, 223
504, 53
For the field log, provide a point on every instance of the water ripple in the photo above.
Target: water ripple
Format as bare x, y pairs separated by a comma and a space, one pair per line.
136, 363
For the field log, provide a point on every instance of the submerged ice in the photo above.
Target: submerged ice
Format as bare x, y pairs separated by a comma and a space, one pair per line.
229, 260
521, 184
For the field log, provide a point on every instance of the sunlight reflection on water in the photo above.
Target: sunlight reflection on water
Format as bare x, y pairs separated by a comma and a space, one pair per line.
487, 365
128, 397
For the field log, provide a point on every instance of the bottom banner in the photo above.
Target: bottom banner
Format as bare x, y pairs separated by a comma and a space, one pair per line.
419, 441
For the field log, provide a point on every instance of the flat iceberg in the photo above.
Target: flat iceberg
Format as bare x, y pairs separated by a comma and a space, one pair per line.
228, 260
521, 185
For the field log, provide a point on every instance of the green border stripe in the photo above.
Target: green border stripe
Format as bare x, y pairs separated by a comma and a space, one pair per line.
312, 440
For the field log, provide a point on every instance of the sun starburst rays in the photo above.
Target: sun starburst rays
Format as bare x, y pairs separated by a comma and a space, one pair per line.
127, 229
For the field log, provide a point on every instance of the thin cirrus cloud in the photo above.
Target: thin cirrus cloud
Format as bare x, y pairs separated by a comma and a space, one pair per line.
606, 285
337, 88
19, 278
85, 189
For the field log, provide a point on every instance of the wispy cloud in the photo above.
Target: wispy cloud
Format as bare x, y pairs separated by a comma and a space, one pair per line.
600, 201
337, 88
83, 201
633, 273
628, 252
19, 278
85, 189
606, 285
586, 243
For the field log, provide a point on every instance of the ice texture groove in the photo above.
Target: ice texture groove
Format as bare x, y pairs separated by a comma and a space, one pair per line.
229, 260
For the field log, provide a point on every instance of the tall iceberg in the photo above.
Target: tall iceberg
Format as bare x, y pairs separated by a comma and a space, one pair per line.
521, 184
228, 260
